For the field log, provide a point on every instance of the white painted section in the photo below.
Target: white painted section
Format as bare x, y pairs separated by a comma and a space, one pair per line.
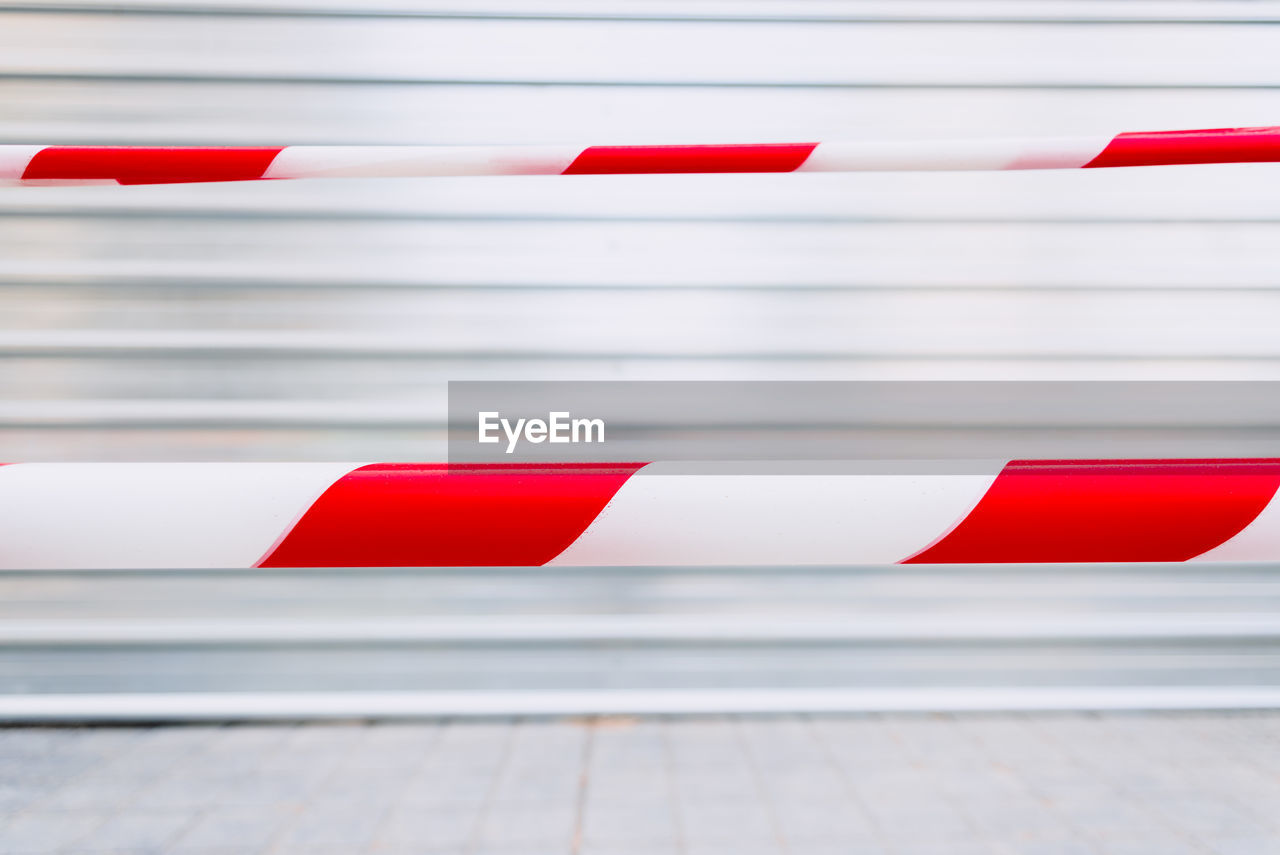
321, 705
419, 161
126, 515
14, 160
663, 516
1258, 541
948, 155
1059, 153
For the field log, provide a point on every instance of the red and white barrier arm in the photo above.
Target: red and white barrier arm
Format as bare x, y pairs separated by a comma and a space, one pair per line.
150, 165
163, 515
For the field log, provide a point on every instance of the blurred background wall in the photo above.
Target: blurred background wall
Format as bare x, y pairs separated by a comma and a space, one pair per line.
318, 320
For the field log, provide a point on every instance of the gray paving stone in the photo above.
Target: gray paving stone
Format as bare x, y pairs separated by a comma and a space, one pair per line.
19, 795
177, 740
1044, 846
1117, 821
1232, 845
92, 791
651, 823
1172, 846
49, 770
628, 783
39, 832
185, 788
269, 787
363, 784
446, 787
528, 826
725, 822
323, 737
725, 783
137, 831
622, 848
249, 827
528, 786
829, 820
472, 744
29, 743
410, 825
948, 846
332, 825
918, 825
740, 847
1015, 818
839, 847
821, 784
1211, 814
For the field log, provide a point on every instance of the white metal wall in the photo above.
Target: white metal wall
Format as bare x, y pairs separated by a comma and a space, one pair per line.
317, 320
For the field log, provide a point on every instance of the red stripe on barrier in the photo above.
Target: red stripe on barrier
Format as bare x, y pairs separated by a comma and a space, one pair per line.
438, 515
1167, 148
1108, 510
653, 159
150, 165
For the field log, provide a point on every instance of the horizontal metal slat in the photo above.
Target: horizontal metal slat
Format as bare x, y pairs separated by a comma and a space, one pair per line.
787, 54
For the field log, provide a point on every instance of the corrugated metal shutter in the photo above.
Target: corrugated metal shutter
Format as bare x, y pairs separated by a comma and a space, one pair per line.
322, 319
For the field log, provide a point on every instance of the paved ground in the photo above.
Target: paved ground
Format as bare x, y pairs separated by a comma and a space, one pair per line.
1070, 783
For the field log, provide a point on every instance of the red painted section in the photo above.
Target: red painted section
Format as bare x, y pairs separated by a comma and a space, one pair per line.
441, 515
1108, 510
651, 159
1218, 145
150, 165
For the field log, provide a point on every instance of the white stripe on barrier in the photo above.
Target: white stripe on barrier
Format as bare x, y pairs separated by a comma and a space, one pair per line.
661, 516
1060, 153
123, 515
14, 160
391, 161
931, 155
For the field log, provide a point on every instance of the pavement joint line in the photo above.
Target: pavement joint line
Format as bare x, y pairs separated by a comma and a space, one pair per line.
584, 781
475, 838
825, 749
757, 781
